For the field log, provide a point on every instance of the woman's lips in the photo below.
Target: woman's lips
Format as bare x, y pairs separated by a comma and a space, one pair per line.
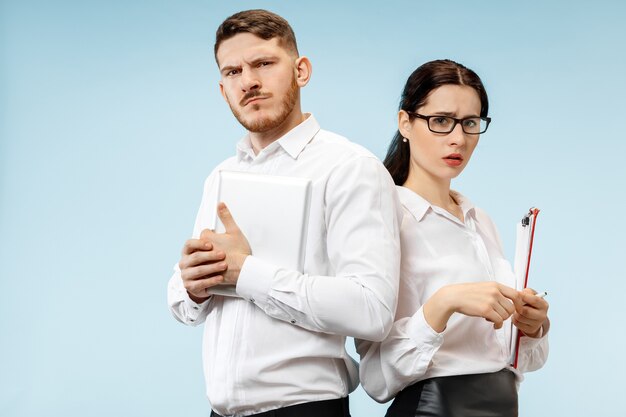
453, 160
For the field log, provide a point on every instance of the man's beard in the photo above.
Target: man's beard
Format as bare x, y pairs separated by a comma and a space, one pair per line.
266, 124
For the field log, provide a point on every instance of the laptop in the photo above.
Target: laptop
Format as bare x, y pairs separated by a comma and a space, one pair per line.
272, 212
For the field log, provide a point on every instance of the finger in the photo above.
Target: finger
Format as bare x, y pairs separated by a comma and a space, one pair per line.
199, 287
227, 219
501, 310
203, 257
201, 271
212, 281
510, 293
527, 329
531, 313
507, 305
520, 325
535, 301
206, 234
524, 320
513, 298
492, 316
193, 245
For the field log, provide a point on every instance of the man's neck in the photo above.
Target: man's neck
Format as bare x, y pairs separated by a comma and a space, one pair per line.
261, 140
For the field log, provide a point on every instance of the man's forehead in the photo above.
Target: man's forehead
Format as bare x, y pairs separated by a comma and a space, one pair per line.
244, 46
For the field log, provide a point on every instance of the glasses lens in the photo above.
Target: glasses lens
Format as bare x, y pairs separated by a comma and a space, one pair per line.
441, 124
474, 125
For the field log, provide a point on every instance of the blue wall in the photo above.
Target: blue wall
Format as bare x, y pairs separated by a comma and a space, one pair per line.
110, 119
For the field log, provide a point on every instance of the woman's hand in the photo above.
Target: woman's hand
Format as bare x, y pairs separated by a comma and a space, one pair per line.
531, 314
490, 300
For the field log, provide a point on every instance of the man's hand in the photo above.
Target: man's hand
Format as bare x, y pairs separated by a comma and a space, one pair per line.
201, 267
232, 243
532, 314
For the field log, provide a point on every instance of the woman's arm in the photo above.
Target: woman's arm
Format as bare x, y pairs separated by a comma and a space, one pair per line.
492, 301
532, 320
403, 357
406, 354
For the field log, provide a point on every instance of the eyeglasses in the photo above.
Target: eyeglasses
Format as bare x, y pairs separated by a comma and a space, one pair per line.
446, 124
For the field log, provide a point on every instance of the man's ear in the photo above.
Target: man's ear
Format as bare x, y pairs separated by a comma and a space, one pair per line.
222, 92
303, 71
404, 123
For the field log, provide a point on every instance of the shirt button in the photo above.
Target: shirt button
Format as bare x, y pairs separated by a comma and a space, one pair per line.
292, 321
191, 320
195, 307
252, 300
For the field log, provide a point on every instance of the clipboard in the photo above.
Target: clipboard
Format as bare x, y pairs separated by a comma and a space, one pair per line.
523, 252
272, 211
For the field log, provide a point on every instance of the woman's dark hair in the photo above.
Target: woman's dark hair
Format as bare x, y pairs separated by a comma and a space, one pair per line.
420, 84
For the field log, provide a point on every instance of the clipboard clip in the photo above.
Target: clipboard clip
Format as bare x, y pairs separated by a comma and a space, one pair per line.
526, 218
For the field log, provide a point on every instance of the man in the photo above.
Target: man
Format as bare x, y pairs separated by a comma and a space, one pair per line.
281, 346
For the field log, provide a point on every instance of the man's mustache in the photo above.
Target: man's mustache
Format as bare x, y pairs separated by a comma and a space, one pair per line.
252, 94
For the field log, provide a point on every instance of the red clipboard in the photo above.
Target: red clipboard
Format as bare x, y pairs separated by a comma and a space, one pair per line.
523, 252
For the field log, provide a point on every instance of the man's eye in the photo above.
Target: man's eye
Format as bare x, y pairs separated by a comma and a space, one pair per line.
264, 63
232, 72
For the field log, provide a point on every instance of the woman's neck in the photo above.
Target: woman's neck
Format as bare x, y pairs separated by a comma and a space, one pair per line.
434, 190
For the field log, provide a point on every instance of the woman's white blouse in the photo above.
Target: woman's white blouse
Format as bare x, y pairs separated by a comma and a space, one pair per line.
437, 250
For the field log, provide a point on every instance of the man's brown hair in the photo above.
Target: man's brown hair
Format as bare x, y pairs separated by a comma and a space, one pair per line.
262, 23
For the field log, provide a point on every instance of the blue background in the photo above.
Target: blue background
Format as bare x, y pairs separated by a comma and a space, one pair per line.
110, 119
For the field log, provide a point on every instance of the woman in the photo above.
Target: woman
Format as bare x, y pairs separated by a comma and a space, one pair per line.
435, 362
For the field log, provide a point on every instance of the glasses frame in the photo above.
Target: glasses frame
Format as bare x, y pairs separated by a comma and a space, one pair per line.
456, 121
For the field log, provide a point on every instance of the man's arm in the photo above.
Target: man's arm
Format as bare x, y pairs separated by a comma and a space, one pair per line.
357, 296
201, 266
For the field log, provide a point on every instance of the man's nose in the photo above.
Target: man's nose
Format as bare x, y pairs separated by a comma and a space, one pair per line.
249, 81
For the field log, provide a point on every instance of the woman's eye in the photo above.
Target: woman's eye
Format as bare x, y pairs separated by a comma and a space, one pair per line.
470, 123
441, 121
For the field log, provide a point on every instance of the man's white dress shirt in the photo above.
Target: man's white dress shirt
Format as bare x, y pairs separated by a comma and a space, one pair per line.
283, 342
437, 250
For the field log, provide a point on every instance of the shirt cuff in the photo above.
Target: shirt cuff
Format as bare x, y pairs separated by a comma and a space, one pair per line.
532, 342
421, 333
194, 309
255, 280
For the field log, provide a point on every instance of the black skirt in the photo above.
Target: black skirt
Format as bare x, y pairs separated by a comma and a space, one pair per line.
475, 395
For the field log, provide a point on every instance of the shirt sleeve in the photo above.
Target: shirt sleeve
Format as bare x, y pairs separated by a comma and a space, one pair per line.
533, 352
357, 297
183, 308
400, 360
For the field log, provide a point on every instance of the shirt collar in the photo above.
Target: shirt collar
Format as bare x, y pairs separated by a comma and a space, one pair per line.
244, 148
418, 205
293, 142
414, 202
466, 204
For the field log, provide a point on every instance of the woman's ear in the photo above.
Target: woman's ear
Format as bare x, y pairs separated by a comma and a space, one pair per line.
303, 71
404, 124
